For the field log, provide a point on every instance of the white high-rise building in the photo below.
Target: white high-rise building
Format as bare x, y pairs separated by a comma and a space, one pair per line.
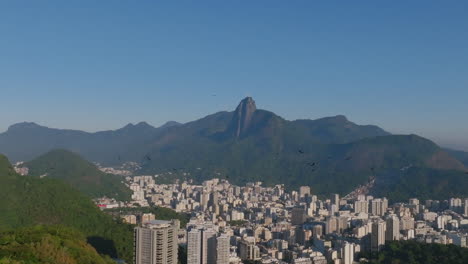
441, 221
222, 248
378, 206
392, 228
156, 243
208, 246
194, 246
248, 250
204, 246
455, 204
331, 225
361, 206
466, 207
204, 199
347, 253
406, 223
377, 235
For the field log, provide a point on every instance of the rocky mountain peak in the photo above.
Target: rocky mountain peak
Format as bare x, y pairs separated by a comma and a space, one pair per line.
243, 116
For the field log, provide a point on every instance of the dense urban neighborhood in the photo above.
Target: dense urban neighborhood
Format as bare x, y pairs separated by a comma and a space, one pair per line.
258, 224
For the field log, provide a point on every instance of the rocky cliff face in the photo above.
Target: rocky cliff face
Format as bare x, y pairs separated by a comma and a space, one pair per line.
242, 117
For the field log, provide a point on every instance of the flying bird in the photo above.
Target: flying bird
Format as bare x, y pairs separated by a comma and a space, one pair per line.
348, 158
301, 151
148, 157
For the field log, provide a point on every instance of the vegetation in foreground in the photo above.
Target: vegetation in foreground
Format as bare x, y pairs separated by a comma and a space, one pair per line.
47, 244
412, 252
28, 201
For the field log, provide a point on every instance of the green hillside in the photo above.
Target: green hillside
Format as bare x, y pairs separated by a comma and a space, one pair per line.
27, 201
47, 244
423, 183
462, 156
5, 167
276, 159
81, 174
411, 252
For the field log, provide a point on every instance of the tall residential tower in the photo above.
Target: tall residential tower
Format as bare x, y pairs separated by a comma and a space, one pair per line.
156, 242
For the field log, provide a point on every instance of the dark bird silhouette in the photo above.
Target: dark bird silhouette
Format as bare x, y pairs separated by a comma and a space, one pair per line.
348, 158
301, 151
148, 157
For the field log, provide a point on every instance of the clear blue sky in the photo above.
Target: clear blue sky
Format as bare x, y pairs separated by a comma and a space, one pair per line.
94, 65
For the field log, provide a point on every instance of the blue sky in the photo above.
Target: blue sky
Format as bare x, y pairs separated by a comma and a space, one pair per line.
94, 65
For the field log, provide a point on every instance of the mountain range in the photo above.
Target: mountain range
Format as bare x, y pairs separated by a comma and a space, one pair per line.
331, 154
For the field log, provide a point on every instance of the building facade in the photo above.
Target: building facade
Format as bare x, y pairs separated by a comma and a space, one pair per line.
156, 243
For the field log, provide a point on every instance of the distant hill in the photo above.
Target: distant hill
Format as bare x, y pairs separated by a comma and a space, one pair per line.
81, 174
26, 141
28, 201
46, 244
330, 154
462, 156
423, 183
325, 167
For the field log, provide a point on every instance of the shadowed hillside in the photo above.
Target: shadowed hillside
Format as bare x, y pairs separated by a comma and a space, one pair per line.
81, 174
